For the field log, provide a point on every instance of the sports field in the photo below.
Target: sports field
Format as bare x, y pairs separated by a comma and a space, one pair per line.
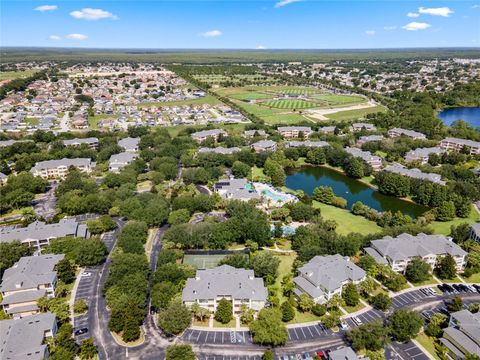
203, 261
290, 104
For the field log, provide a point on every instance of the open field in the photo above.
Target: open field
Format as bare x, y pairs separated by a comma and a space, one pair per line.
444, 227
355, 114
290, 104
199, 101
11, 75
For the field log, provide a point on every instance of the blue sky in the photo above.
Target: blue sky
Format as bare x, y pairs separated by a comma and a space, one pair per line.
279, 24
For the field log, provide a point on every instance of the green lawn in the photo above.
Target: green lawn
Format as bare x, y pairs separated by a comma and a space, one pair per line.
94, 120
290, 104
31, 121
352, 309
444, 227
475, 278
428, 343
209, 99
204, 323
285, 267
354, 114
303, 317
285, 119
258, 174
217, 324
10, 75
426, 282
347, 222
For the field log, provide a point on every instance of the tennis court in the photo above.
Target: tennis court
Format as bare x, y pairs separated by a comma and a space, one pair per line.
203, 261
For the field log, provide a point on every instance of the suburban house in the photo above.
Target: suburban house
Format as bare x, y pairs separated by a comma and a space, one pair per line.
26, 338
369, 138
399, 251
29, 279
129, 144
475, 232
397, 132
253, 133
235, 189
239, 286
38, 234
308, 143
295, 131
457, 144
374, 161
462, 336
356, 127
55, 169
206, 134
414, 173
324, 276
422, 154
264, 145
92, 142
118, 161
219, 150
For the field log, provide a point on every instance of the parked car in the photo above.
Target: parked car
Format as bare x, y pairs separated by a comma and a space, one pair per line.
86, 274
344, 325
81, 331
357, 321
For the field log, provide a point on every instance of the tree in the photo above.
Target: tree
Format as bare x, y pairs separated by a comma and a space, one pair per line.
264, 264
445, 268
174, 319
65, 271
275, 172
224, 311
11, 253
381, 301
179, 216
88, 350
446, 211
354, 168
288, 312
305, 302
268, 355
247, 314
330, 321
435, 325
417, 271
350, 295
456, 304
269, 329
131, 329
80, 306
240, 169
404, 324
372, 336
162, 293
237, 260
319, 310
180, 352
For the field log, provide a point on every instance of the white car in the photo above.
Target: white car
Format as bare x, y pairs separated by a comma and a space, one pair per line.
357, 320
86, 274
344, 325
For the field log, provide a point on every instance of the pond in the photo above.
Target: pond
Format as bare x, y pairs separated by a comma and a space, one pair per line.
308, 178
470, 115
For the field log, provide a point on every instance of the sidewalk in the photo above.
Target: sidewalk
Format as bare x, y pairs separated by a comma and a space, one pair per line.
73, 294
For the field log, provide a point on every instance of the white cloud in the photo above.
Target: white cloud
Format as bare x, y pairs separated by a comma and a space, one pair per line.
285, 2
211, 33
93, 14
476, 6
413, 14
54, 37
260, 47
414, 26
441, 11
76, 36
370, 32
390, 28
44, 8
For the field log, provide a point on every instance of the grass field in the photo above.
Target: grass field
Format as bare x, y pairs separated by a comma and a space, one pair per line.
444, 227
290, 104
10, 75
200, 101
475, 278
354, 114
428, 343
285, 119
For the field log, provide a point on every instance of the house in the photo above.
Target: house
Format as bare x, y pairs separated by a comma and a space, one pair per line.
264, 145
55, 169
397, 132
327, 129
253, 133
369, 138
308, 143
343, 353
27, 338
475, 232
236, 189
129, 144
399, 251
219, 150
92, 142
239, 286
414, 173
356, 127
462, 336
4, 143
457, 144
374, 161
324, 276
206, 134
38, 234
29, 279
118, 161
422, 154
295, 131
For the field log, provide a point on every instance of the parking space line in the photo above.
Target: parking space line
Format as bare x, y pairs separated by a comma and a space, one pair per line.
198, 335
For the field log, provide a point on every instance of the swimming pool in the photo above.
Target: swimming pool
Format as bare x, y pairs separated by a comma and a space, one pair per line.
273, 196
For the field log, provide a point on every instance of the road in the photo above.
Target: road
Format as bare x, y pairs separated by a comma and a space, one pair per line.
45, 207
64, 127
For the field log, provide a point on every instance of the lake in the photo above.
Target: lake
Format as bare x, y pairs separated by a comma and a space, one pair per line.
470, 115
308, 178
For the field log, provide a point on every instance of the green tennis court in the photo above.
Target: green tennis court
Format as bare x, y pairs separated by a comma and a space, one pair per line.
203, 261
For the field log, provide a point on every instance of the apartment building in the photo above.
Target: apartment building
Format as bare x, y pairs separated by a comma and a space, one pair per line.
327, 129
356, 127
456, 144
206, 134
29, 279
118, 161
92, 142
307, 143
475, 232
422, 154
397, 132
253, 133
129, 144
398, 252
369, 138
324, 276
58, 169
415, 173
374, 161
295, 131
239, 286
462, 336
219, 150
264, 145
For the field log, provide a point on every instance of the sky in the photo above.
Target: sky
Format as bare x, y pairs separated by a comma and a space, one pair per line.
228, 24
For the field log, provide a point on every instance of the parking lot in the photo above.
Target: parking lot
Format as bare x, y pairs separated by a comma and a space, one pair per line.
407, 351
308, 332
109, 240
225, 357
366, 317
427, 314
217, 337
409, 298
86, 291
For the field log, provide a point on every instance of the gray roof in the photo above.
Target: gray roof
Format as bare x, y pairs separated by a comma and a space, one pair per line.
4, 143
308, 143
219, 150
327, 129
123, 158
129, 144
3, 176
79, 141
468, 322
40, 231
376, 255
423, 152
364, 155
23, 296
24, 338
235, 189
362, 125
407, 132
331, 271
30, 272
252, 132
265, 144
51, 164
469, 143
294, 128
224, 280
414, 173
476, 228
345, 353
407, 246
206, 133
460, 338
368, 138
